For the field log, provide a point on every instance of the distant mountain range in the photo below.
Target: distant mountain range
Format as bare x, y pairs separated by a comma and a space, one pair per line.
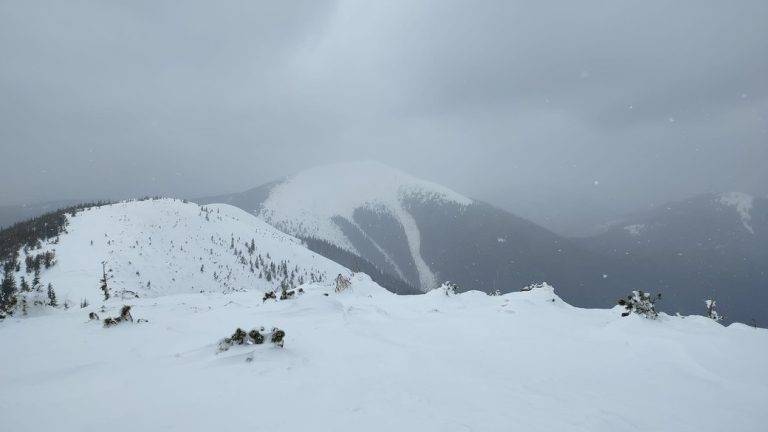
11, 214
418, 232
421, 234
708, 246
410, 235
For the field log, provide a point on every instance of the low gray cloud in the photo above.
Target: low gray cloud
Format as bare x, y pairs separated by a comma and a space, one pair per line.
569, 113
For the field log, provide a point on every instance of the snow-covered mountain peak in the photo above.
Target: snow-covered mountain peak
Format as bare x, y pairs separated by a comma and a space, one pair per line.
309, 203
338, 189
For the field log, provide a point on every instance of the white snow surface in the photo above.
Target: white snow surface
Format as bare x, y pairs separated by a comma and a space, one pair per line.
368, 360
742, 203
306, 203
164, 243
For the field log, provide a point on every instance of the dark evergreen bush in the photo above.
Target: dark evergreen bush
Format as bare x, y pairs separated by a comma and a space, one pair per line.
641, 303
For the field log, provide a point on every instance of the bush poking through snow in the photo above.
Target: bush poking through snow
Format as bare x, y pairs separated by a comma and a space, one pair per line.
449, 288
712, 310
256, 337
534, 286
93, 316
641, 303
125, 316
269, 295
277, 337
253, 337
342, 283
125, 313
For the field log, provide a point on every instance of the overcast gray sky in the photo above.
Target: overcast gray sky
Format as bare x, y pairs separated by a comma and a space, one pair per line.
566, 112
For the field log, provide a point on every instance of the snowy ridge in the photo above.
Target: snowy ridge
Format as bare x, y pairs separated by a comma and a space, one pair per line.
161, 247
306, 203
742, 203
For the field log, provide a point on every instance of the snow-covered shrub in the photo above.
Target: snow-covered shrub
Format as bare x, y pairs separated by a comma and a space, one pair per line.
342, 283
93, 316
269, 295
52, 296
125, 316
256, 336
641, 303
277, 336
495, 293
449, 288
286, 294
712, 310
534, 286
253, 337
125, 313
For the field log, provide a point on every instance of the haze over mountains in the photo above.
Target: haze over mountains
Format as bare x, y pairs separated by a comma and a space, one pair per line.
708, 246
420, 233
410, 235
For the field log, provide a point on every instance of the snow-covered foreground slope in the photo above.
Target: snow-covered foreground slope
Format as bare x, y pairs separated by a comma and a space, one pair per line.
368, 360
165, 246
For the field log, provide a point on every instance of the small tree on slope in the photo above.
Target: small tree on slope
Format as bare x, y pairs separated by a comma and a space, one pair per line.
104, 278
342, 283
449, 288
7, 292
52, 296
712, 310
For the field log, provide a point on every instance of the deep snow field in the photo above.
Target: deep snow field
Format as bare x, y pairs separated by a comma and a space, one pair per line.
367, 360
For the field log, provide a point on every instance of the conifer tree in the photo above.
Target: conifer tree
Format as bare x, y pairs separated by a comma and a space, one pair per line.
52, 296
36, 279
24, 285
641, 303
8, 291
104, 287
712, 311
